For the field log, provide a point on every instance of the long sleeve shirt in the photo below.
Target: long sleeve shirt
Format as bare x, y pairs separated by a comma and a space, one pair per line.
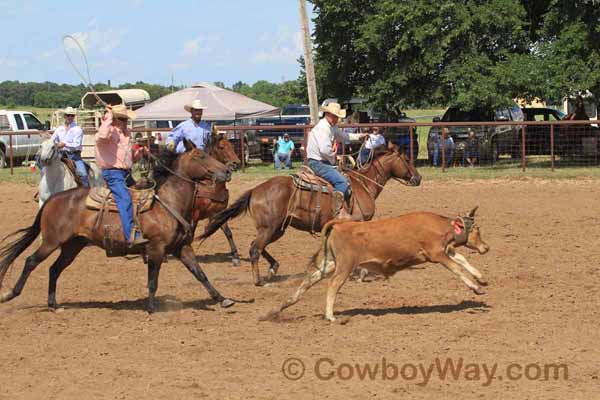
320, 141
71, 136
113, 145
199, 134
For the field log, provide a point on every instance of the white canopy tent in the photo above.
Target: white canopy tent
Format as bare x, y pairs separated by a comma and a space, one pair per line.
221, 105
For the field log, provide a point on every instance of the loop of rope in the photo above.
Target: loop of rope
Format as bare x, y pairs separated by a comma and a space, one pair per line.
88, 82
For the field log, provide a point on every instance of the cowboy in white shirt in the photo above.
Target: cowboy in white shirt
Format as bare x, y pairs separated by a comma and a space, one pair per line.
69, 139
321, 155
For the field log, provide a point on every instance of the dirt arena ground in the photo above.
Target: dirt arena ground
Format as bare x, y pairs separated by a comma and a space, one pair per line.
541, 307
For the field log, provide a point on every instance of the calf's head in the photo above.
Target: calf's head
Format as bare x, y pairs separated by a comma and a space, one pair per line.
474, 240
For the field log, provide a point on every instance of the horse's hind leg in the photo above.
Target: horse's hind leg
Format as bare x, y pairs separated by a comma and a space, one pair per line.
263, 239
69, 251
273, 264
188, 258
30, 264
235, 257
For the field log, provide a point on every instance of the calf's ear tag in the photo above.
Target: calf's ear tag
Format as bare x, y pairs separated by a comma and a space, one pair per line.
458, 228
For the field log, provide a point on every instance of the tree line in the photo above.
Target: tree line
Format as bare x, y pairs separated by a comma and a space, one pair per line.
54, 95
468, 53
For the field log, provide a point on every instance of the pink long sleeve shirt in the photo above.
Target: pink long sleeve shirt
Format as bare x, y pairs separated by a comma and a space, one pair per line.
113, 145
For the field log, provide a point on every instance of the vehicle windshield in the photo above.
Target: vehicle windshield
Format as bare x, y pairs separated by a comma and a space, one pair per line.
298, 110
458, 115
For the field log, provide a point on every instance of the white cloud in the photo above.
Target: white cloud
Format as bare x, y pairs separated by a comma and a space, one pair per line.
285, 49
136, 3
191, 47
102, 40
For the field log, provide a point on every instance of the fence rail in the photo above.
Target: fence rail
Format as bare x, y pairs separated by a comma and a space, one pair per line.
543, 143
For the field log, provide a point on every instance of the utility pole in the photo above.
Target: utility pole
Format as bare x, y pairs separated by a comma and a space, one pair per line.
308, 64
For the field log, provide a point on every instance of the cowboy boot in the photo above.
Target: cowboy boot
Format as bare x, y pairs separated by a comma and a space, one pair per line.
339, 206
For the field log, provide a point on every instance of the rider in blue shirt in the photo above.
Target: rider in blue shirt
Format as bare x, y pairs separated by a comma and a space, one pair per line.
193, 129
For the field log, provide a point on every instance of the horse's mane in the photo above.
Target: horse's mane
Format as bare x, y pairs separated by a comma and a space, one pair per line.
166, 160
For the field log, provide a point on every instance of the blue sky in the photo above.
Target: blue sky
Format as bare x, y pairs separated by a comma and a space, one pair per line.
131, 40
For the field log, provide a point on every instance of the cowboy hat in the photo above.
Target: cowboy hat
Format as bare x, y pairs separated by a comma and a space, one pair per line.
335, 109
120, 111
196, 105
70, 111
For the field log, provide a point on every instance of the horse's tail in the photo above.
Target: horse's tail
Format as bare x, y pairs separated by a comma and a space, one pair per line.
238, 208
12, 250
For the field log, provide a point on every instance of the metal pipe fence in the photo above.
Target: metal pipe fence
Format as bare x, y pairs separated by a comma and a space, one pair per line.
500, 144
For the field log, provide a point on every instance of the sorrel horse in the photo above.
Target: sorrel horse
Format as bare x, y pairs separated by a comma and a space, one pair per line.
64, 221
268, 203
212, 198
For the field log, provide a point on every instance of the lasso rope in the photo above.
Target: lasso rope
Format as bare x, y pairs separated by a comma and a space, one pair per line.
88, 81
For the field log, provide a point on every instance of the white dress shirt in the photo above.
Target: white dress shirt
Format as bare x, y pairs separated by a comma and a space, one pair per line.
71, 136
319, 145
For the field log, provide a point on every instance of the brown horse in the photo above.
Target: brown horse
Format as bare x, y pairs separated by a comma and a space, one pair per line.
213, 197
268, 204
64, 221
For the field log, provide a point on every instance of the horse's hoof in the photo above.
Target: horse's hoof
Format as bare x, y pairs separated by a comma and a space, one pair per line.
482, 282
259, 283
479, 291
236, 262
227, 303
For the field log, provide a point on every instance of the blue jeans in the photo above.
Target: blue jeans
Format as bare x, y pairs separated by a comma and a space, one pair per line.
363, 156
285, 158
331, 174
80, 167
116, 180
437, 159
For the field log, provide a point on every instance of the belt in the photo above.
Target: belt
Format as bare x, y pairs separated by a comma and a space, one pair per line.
322, 161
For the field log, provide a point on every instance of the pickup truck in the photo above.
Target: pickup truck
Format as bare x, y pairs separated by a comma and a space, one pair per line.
24, 146
293, 114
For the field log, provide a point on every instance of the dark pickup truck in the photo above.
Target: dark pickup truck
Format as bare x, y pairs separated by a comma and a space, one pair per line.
293, 114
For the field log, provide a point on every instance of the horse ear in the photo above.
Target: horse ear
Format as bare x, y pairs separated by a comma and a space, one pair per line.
392, 147
189, 145
472, 212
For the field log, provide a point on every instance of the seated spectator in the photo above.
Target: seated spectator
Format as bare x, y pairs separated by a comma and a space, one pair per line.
283, 154
448, 145
471, 154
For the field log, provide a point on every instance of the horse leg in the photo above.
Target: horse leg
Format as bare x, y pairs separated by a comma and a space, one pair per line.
263, 239
30, 264
273, 264
235, 257
188, 258
69, 251
155, 256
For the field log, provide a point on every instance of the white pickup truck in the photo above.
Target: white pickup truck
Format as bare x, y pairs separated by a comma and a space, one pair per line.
24, 146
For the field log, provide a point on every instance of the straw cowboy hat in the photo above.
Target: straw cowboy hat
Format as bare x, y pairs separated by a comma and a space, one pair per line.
120, 111
196, 105
335, 109
70, 111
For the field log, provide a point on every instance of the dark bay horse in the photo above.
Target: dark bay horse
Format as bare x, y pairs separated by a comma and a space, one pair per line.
66, 223
213, 197
267, 204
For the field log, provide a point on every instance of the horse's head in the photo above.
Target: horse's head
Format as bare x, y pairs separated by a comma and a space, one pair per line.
198, 165
48, 152
222, 149
399, 166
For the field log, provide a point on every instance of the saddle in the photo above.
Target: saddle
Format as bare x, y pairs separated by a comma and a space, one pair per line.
306, 179
70, 165
100, 198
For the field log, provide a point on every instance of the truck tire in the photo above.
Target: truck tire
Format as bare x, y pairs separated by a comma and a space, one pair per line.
3, 163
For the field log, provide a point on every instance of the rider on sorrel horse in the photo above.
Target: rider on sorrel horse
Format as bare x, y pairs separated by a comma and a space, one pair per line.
268, 204
64, 221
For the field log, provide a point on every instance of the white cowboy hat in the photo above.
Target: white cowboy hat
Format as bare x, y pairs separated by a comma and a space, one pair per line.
70, 111
122, 111
335, 109
196, 105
